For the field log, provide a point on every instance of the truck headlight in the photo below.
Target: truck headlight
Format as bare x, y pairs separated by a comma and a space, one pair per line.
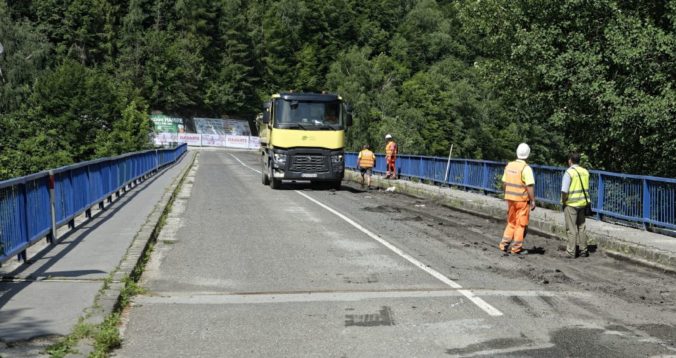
280, 158
337, 158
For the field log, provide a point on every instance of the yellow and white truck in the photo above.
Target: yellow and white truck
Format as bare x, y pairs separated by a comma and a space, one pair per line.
302, 137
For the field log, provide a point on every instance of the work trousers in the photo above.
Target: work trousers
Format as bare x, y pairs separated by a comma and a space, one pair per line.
575, 229
390, 168
518, 213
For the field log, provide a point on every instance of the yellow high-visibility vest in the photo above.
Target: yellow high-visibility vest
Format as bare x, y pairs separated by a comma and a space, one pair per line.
576, 195
366, 159
515, 188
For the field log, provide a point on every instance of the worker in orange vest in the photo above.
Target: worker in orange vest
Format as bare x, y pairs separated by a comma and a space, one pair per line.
366, 161
518, 183
390, 157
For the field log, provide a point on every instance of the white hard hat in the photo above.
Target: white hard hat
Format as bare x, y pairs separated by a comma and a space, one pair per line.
523, 151
388, 136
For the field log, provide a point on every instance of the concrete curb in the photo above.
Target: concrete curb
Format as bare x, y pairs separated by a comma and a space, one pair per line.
109, 298
606, 241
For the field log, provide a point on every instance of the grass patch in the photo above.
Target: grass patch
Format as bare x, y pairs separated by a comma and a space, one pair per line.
107, 336
131, 289
65, 346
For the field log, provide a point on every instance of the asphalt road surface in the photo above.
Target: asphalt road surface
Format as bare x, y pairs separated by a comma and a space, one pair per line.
242, 270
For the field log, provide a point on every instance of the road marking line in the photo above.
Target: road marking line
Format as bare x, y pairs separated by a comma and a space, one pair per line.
217, 298
241, 162
468, 294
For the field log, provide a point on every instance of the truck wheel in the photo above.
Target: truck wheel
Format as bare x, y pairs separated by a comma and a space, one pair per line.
265, 179
336, 184
274, 183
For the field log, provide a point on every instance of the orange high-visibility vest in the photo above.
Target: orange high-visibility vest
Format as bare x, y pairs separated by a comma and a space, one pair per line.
391, 150
366, 159
515, 188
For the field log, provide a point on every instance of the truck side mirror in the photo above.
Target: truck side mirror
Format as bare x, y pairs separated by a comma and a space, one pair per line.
348, 120
266, 117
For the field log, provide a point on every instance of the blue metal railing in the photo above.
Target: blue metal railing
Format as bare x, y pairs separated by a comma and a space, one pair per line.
28, 212
642, 199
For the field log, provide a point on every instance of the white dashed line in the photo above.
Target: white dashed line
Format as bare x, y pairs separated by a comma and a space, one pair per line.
244, 164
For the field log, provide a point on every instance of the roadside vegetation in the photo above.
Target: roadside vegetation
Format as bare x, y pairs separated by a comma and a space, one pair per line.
79, 77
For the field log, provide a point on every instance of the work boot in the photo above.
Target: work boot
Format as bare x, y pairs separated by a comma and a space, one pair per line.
566, 255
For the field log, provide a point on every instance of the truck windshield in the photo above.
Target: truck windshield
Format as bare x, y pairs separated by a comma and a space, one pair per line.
308, 115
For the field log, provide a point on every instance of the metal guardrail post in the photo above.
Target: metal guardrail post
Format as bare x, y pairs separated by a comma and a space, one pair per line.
600, 196
52, 206
646, 203
118, 174
465, 175
21, 256
484, 179
71, 222
88, 211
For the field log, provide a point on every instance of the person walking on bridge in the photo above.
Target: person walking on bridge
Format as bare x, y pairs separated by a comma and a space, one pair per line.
574, 198
366, 161
390, 157
518, 183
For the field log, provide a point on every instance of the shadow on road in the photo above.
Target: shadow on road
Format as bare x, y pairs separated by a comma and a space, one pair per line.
98, 219
20, 328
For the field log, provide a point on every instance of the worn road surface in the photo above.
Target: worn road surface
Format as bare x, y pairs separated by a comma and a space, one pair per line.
242, 270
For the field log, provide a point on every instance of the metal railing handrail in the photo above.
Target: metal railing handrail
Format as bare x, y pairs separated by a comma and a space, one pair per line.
29, 177
623, 175
23, 179
647, 200
34, 206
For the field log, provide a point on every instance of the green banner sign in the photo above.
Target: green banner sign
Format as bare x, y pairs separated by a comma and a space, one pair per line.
166, 124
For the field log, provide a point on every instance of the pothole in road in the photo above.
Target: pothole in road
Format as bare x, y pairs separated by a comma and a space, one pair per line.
382, 209
372, 278
417, 218
384, 317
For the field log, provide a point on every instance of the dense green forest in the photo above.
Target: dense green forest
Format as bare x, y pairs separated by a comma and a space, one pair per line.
79, 77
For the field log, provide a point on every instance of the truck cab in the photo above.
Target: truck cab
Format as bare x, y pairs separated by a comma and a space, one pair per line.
302, 137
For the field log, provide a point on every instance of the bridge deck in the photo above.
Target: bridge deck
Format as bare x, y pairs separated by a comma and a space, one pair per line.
242, 270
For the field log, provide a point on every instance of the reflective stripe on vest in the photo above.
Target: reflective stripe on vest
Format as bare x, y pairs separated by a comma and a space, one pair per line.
391, 149
515, 189
576, 195
366, 159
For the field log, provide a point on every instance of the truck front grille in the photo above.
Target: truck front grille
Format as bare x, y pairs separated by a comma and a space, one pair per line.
309, 163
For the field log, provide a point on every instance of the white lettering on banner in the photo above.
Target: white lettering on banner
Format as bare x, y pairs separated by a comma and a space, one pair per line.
213, 140
190, 139
237, 141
